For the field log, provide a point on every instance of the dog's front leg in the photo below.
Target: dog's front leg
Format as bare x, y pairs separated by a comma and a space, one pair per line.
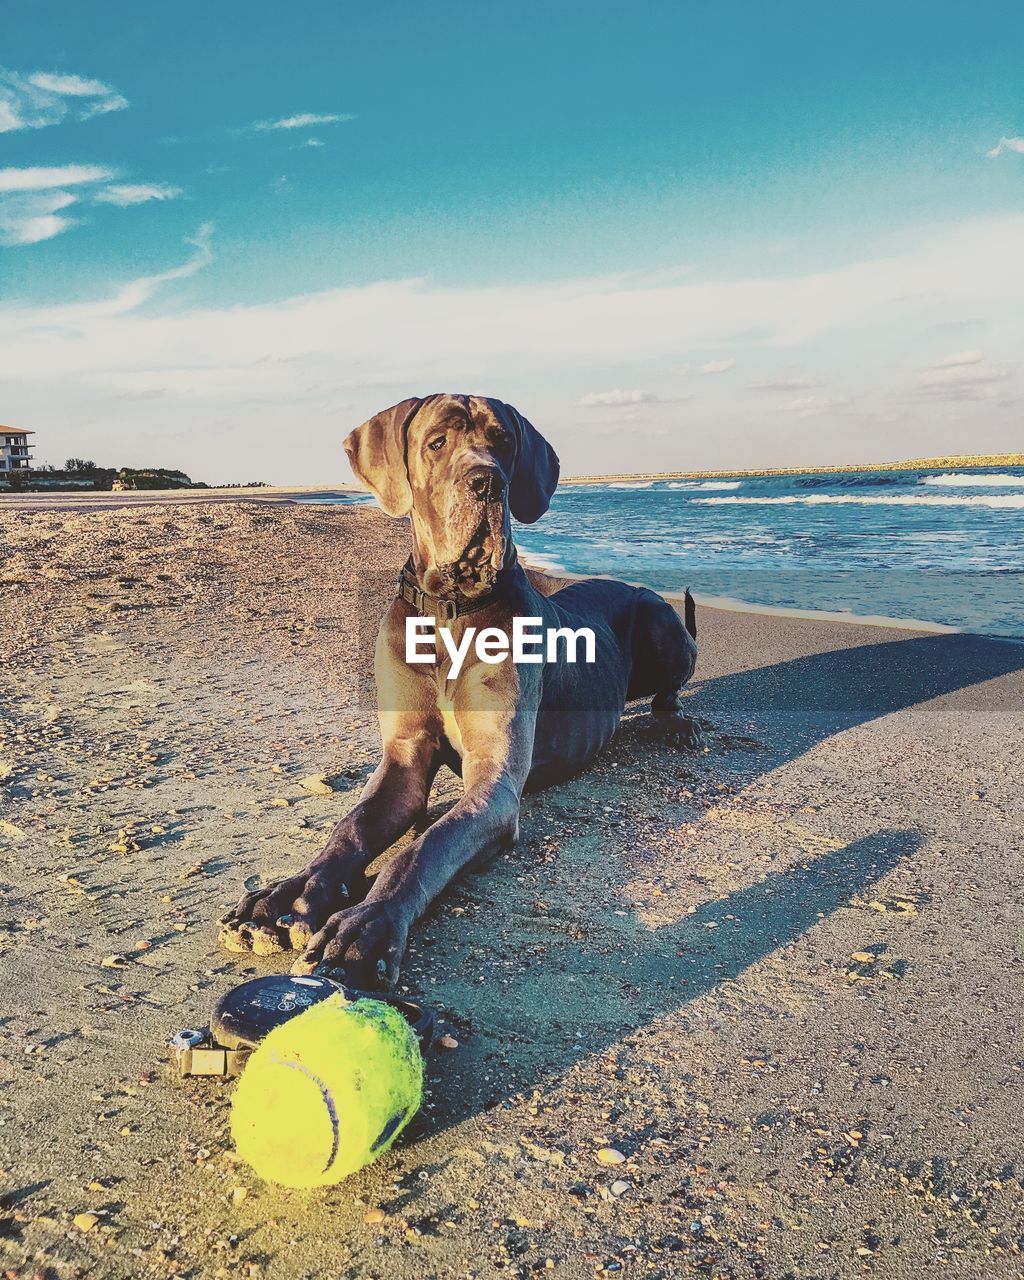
289, 911
369, 940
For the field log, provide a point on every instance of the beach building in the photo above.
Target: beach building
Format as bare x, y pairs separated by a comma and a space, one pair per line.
14, 449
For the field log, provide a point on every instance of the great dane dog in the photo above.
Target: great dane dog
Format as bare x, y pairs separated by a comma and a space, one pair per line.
459, 466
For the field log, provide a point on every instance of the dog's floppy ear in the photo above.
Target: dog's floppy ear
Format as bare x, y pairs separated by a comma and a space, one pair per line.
376, 452
536, 471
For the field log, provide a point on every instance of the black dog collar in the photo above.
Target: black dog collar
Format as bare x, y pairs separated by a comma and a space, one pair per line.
444, 610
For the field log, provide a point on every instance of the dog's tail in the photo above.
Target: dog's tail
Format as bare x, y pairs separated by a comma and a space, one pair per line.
690, 614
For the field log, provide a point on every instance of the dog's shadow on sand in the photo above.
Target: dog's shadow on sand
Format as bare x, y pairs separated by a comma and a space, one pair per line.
537, 991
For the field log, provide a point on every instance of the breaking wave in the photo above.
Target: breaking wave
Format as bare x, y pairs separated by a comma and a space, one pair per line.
1008, 501
960, 479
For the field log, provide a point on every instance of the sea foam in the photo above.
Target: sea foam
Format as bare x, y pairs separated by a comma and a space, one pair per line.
1002, 501
961, 479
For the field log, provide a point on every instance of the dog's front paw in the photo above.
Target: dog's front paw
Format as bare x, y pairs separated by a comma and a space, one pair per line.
684, 732
365, 943
285, 914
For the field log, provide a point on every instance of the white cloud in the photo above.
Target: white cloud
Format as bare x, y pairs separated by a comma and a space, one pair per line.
44, 98
304, 120
312, 142
616, 398
805, 406
224, 384
136, 292
43, 178
796, 383
31, 199
956, 358
34, 216
128, 193
718, 366
963, 381
1006, 144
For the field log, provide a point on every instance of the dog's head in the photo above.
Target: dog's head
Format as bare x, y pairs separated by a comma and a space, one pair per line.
459, 464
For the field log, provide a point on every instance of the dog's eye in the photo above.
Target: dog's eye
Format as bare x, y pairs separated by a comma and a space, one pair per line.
437, 443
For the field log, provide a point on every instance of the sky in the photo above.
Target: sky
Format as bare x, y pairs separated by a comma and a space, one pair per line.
674, 235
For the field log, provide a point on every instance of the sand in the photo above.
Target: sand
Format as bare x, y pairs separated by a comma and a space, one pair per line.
781, 978
103, 500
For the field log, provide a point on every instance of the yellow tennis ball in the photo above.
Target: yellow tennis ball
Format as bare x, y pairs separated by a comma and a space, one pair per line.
327, 1092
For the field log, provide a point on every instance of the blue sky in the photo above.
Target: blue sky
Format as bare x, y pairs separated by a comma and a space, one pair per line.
674, 234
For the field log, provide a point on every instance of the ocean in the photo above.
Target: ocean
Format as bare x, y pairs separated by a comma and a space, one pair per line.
940, 547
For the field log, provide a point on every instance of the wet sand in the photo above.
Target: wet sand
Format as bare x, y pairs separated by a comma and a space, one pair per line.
782, 977
102, 500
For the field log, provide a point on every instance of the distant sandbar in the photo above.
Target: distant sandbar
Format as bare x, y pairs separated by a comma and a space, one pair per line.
959, 462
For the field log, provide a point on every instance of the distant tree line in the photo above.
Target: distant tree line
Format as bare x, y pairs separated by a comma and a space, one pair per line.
83, 473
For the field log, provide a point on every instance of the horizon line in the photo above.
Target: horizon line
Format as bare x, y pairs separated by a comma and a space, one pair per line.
967, 461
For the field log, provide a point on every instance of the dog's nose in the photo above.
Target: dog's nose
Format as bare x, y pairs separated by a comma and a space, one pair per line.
485, 483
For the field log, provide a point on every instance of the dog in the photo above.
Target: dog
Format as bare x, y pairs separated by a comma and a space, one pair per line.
460, 466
